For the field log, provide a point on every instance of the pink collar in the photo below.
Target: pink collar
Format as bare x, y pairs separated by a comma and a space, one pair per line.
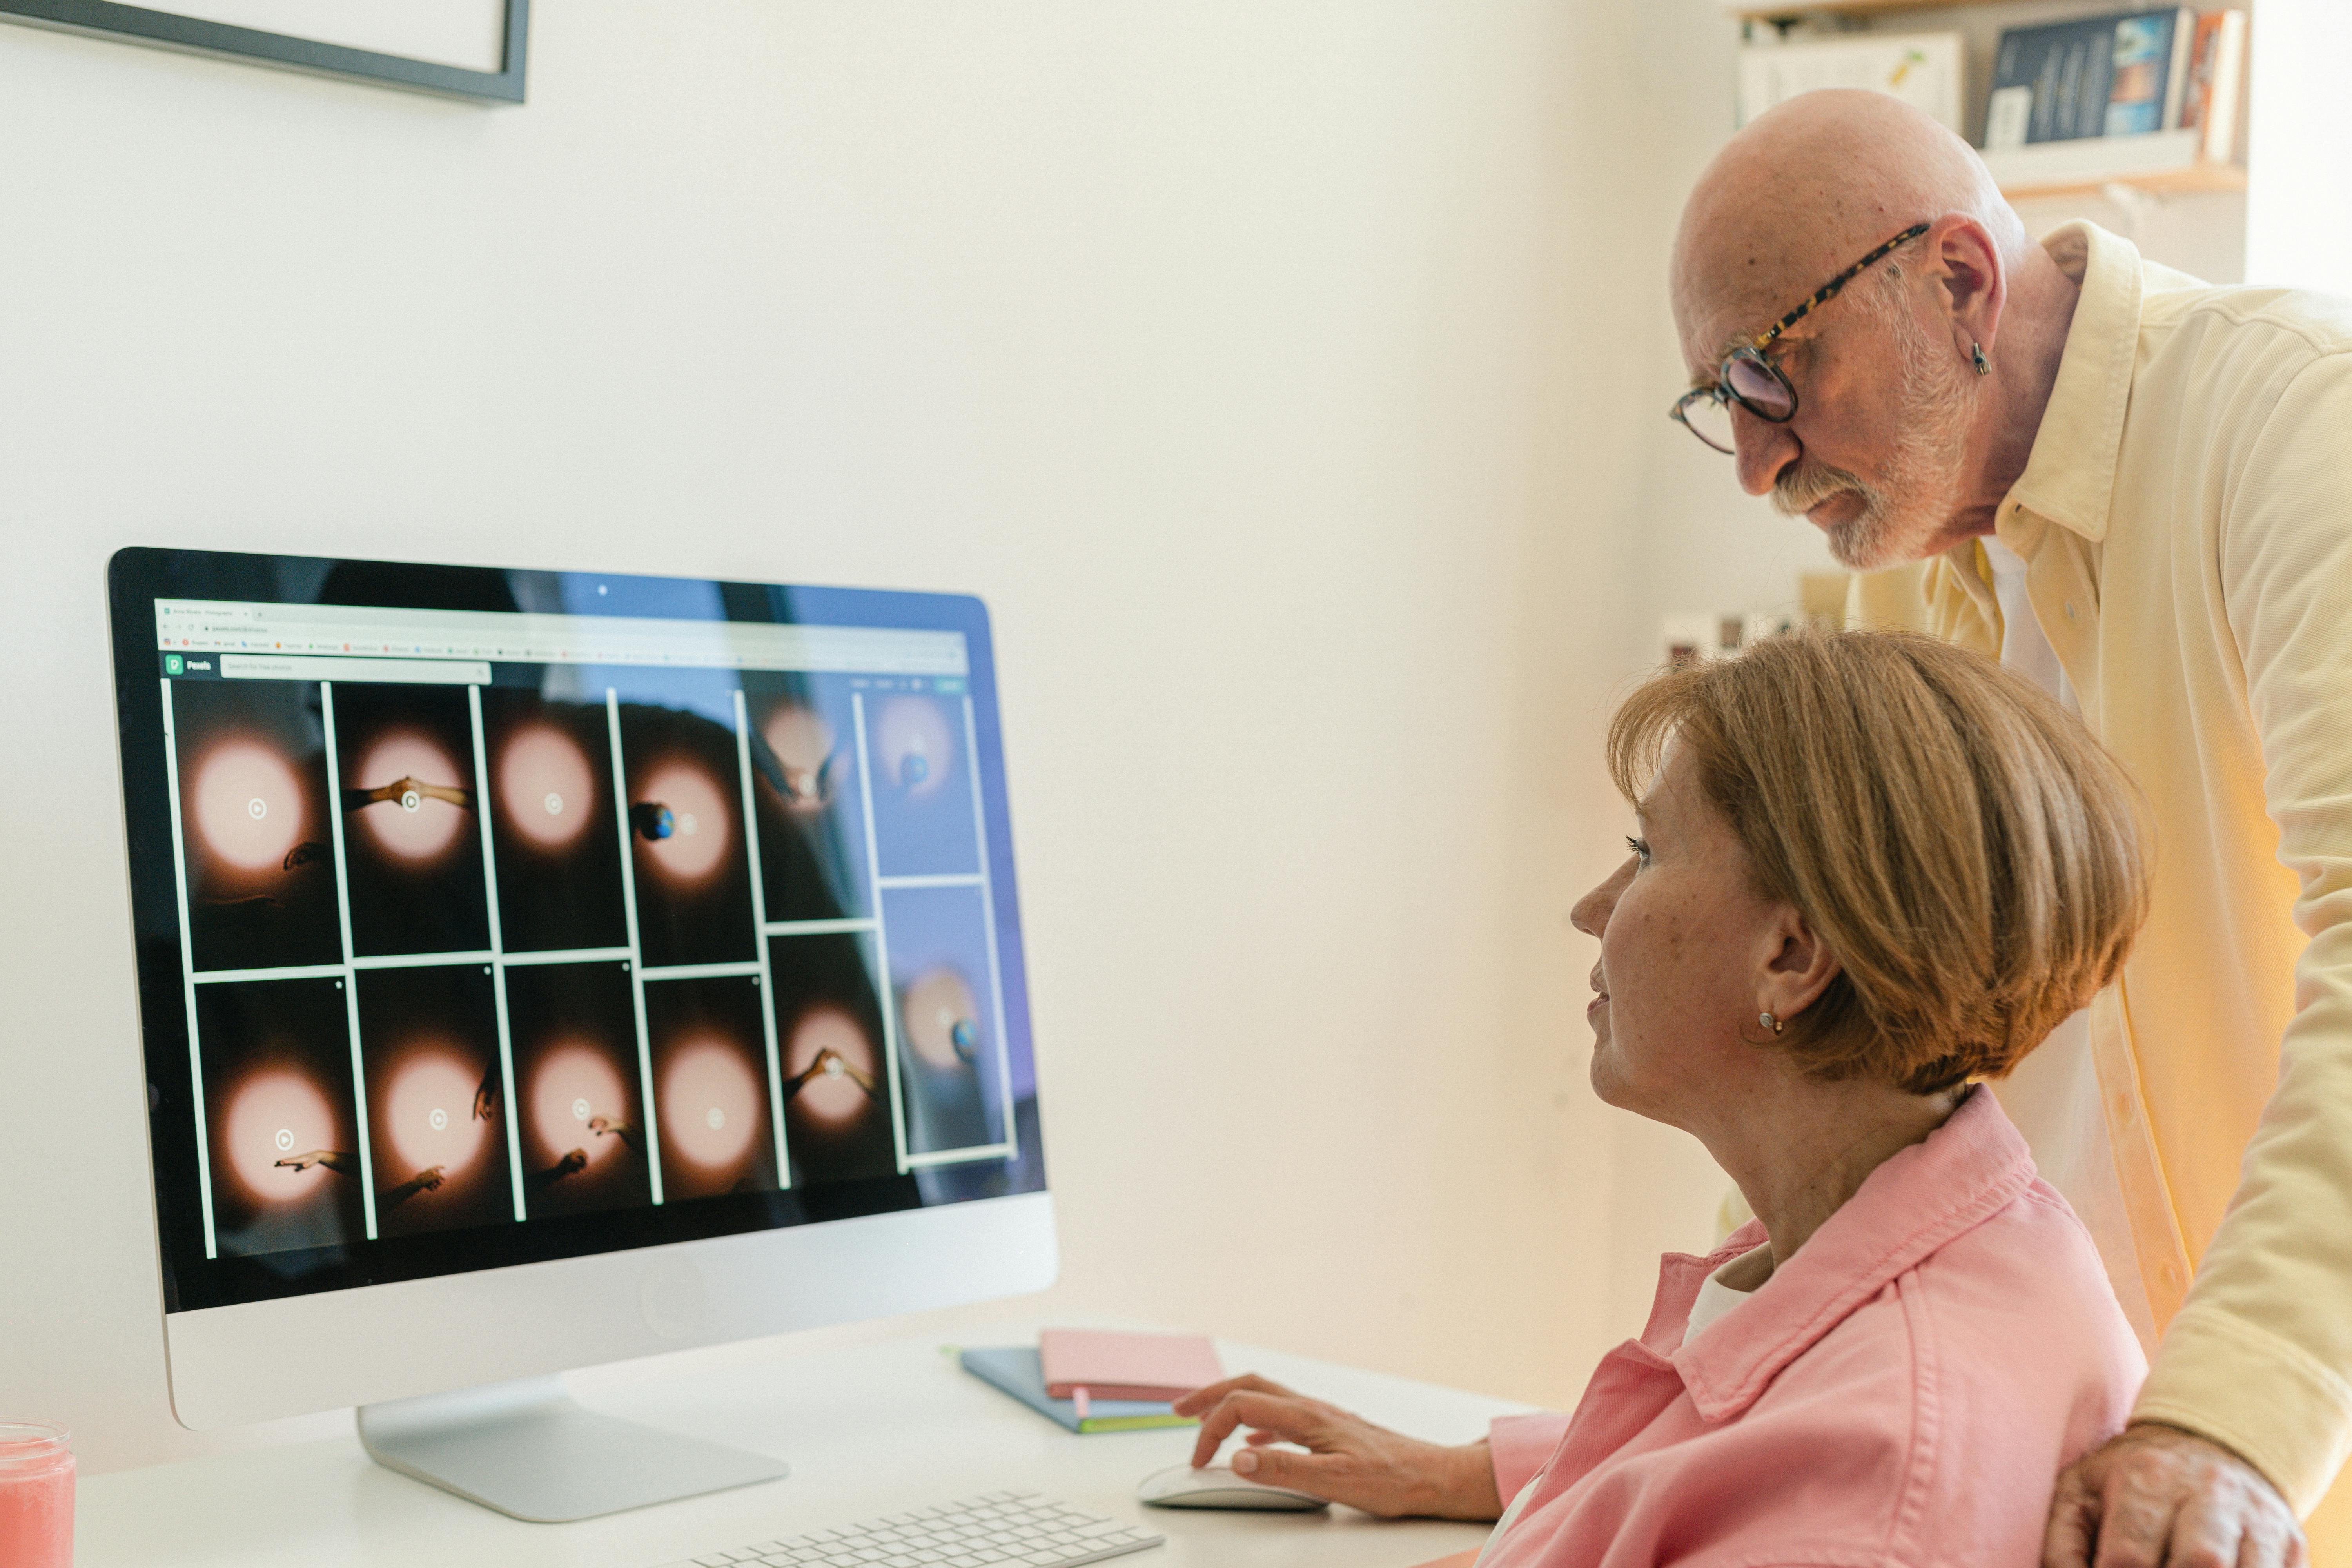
1967, 1170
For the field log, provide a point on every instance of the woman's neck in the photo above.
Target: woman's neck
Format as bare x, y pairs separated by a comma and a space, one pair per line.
1799, 1149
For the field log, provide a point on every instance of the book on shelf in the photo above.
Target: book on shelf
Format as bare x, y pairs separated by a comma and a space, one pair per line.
2125, 74
2217, 75
1921, 68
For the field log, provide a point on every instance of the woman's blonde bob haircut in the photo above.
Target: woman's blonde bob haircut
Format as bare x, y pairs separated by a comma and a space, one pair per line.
1974, 859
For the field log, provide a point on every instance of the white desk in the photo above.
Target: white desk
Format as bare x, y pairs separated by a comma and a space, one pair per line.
868, 1431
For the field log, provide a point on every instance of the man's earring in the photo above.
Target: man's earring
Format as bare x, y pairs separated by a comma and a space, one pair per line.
1771, 1023
1984, 367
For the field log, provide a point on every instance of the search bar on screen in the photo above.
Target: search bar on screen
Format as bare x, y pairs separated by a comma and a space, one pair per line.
401, 672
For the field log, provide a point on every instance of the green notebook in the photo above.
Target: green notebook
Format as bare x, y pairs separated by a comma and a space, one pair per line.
1014, 1369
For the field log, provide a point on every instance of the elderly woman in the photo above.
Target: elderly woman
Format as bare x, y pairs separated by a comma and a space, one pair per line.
1873, 872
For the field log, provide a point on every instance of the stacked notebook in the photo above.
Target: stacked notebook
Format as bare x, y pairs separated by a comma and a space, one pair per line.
1096, 1381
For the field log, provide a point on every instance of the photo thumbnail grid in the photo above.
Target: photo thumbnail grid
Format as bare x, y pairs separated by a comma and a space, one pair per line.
383, 1041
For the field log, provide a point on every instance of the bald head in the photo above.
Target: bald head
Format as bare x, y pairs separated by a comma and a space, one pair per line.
1910, 405
1808, 188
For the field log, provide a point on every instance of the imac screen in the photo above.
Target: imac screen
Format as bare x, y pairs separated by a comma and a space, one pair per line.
490, 917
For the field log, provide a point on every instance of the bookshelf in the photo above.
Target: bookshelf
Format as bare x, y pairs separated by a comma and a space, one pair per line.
2160, 167
2197, 178
2161, 162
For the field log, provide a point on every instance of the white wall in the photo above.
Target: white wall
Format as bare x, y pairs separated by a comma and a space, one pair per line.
1266, 366
2299, 199
1699, 544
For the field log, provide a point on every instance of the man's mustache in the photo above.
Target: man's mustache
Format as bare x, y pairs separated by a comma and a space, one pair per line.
1806, 487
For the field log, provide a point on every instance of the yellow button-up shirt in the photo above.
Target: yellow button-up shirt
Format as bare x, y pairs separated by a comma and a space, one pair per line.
2186, 516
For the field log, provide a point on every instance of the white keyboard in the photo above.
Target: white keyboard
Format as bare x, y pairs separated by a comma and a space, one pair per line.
999, 1528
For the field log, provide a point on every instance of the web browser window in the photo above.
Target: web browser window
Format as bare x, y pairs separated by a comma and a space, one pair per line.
496, 924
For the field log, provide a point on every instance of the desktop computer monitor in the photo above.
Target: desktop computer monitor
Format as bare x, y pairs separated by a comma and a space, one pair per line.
542, 968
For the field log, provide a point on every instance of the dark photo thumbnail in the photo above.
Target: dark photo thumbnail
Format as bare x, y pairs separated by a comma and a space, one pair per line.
836, 1084
254, 822
685, 794
710, 1086
573, 1029
944, 987
553, 831
411, 822
806, 790
923, 821
436, 1098
280, 1120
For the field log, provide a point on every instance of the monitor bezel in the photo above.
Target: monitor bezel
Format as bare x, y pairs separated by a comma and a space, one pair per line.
138, 576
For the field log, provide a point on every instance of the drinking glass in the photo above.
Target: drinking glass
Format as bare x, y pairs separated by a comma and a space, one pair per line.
37, 1488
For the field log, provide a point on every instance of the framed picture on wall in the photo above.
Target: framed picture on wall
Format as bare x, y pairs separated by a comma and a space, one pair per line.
464, 48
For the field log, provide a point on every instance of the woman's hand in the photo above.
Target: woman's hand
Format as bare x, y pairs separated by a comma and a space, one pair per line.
1347, 1460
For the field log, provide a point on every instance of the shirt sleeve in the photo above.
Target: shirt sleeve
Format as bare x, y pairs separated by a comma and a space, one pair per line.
1521, 1446
2260, 1356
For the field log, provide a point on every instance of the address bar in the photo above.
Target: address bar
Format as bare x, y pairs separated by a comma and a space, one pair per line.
403, 671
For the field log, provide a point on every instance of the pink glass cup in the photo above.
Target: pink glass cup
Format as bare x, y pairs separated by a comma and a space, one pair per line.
37, 1488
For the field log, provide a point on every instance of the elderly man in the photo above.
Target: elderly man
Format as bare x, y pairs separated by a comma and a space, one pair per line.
2136, 489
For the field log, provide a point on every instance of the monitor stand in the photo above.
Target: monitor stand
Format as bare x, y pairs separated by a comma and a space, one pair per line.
527, 1450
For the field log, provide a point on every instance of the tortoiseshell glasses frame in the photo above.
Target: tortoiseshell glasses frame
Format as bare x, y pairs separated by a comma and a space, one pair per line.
1753, 382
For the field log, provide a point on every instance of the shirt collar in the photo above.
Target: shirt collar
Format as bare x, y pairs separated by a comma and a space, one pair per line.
1967, 1170
2070, 474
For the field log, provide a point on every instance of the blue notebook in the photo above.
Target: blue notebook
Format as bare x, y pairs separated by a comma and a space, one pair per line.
1014, 1369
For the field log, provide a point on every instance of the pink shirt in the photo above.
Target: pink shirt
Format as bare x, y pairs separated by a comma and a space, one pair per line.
1904, 1390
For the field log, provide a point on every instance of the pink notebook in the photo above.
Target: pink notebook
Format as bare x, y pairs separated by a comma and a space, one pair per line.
1109, 1365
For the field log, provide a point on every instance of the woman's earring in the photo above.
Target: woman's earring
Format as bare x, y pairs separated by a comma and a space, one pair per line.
1984, 366
1771, 1023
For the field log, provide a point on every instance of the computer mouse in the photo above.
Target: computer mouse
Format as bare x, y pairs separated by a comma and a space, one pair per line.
1217, 1487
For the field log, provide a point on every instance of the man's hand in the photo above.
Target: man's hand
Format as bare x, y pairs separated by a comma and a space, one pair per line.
1349, 1459
2158, 1497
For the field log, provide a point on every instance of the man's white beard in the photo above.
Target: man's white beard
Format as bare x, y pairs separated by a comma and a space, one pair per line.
1901, 519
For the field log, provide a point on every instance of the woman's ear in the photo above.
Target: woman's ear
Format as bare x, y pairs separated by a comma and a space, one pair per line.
1798, 965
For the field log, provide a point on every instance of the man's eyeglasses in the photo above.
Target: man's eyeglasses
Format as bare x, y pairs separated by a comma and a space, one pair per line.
1753, 382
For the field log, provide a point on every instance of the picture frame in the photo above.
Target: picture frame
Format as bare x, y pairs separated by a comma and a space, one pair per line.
200, 29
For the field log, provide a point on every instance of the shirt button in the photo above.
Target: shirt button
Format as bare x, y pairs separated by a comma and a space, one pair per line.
2124, 1106
2170, 1274
2070, 609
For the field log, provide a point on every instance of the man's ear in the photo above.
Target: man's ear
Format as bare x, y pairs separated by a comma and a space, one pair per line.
1970, 275
1797, 965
